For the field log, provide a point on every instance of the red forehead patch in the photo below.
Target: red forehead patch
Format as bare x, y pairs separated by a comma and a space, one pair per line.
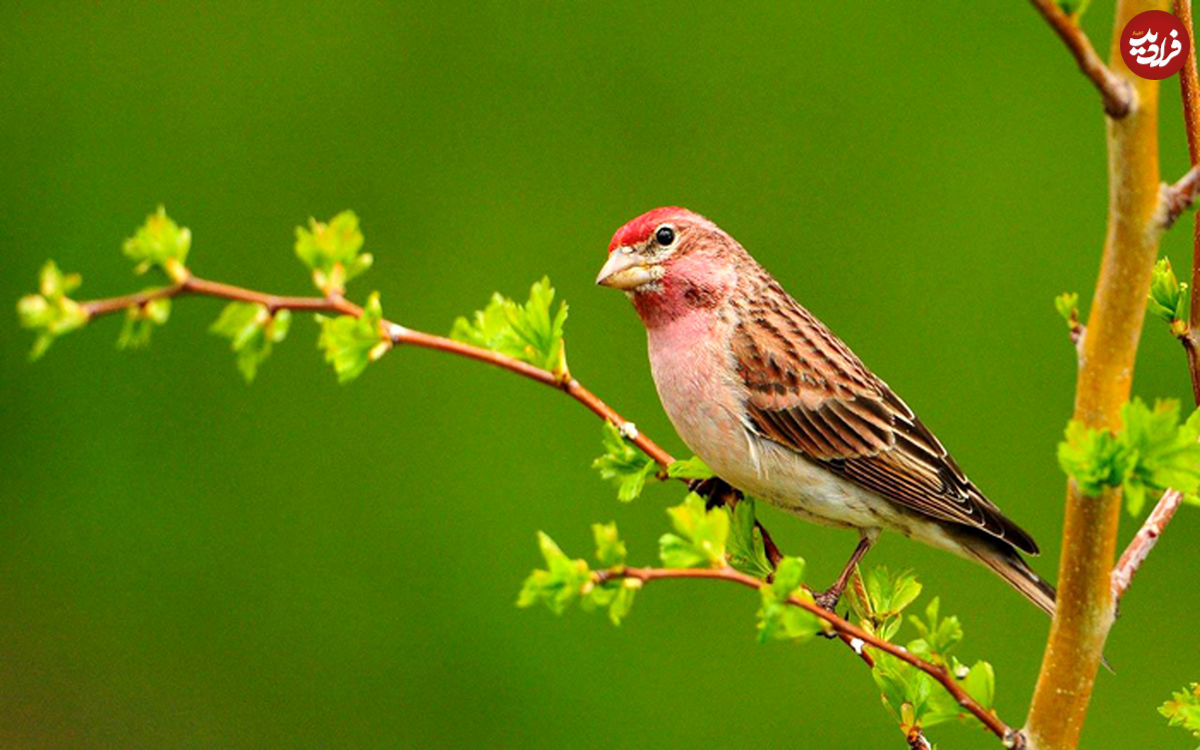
639, 230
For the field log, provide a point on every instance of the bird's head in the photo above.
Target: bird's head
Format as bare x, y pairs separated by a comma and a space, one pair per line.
669, 261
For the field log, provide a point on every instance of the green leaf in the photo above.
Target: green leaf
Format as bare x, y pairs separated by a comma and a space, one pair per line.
623, 601
528, 332
160, 242
351, 343
623, 464
780, 621
788, 577
251, 330
937, 635
1067, 305
559, 584
1165, 453
691, 468
747, 552
879, 598
700, 538
1095, 459
1183, 710
778, 618
980, 684
1168, 299
610, 550
140, 323
332, 251
616, 595
51, 312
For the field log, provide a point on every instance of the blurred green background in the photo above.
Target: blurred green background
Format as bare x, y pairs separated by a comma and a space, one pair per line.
187, 561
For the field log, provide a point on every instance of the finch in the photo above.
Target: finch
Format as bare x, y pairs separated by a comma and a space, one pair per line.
780, 408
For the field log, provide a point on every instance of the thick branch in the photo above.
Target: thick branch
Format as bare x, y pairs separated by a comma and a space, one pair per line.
396, 334
1117, 94
854, 636
1138, 549
1085, 605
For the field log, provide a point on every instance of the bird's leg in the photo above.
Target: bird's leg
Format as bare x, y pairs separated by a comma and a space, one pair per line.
828, 598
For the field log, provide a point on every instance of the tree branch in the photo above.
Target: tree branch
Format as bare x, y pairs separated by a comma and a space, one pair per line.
1118, 95
852, 635
1189, 90
1179, 196
1085, 605
1137, 551
394, 333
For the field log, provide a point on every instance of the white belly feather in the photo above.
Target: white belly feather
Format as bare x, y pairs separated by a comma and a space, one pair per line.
687, 360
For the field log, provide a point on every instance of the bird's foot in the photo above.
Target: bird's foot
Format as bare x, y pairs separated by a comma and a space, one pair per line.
715, 491
828, 599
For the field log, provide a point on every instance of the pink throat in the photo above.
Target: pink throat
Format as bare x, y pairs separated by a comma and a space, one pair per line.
689, 287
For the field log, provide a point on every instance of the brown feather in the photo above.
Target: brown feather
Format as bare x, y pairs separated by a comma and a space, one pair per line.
808, 392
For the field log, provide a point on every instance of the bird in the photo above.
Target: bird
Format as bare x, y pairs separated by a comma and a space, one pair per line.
780, 408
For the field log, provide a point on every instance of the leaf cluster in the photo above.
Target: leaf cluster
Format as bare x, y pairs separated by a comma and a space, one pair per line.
529, 332
778, 618
1067, 305
251, 330
623, 464
51, 312
140, 322
1168, 299
1183, 710
160, 242
565, 581
351, 343
1152, 452
700, 535
879, 600
333, 251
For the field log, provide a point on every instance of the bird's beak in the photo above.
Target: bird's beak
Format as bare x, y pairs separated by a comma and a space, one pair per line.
625, 271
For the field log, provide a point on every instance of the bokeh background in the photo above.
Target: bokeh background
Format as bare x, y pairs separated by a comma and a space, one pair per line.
188, 561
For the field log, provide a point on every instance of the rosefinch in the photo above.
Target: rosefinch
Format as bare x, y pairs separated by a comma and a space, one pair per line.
780, 408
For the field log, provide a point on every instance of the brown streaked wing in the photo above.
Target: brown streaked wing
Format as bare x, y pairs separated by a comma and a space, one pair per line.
808, 392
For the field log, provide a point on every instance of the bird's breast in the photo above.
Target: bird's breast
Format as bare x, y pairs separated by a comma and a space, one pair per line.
704, 399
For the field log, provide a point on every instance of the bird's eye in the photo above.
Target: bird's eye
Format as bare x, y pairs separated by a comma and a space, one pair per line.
664, 236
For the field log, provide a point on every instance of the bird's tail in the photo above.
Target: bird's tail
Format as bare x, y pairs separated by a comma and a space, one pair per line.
1007, 563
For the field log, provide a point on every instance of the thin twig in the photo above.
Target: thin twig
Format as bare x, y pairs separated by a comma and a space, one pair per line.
1118, 96
396, 334
1191, 349
1179, 196
854, 636
1189, 90
1137, 551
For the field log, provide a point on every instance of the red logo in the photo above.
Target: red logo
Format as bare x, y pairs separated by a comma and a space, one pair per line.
1155, 45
